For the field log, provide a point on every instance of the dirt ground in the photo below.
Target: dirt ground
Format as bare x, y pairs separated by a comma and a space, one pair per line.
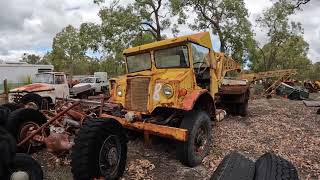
282, 126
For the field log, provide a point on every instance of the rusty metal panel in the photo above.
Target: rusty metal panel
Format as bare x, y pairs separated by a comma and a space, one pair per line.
137, 94
233, 89
159, 130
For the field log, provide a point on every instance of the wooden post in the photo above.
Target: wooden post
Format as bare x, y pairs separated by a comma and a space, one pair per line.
6, 90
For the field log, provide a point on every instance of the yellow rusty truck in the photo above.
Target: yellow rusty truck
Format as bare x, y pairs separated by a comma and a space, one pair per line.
171, 89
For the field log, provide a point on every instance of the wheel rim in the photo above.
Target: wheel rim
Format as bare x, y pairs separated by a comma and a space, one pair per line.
201, 140
25, 130
109, 156
32, 105
20, 175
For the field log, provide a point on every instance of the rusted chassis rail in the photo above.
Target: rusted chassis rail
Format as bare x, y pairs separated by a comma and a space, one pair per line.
145, 127
159, 130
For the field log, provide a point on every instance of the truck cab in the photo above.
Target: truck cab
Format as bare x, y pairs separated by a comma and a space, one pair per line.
46, 87
181, 73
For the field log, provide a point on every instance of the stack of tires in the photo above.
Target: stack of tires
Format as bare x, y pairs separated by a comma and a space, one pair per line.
268, 167
16, 165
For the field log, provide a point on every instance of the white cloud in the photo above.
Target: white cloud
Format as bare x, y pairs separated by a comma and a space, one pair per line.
30, 25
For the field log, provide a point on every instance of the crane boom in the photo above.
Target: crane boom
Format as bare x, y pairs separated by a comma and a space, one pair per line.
224, 65
268, 74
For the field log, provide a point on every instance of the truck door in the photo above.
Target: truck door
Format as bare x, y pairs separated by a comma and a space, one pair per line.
61, 86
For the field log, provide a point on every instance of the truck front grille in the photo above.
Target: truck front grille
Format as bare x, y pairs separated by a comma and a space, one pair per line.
137, 94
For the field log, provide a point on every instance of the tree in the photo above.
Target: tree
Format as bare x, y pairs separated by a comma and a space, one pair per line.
228, 19
149, 16
286, 48
276, 21
67, 49
31, 59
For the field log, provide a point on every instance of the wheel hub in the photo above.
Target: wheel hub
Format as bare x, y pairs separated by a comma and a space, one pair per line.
200, 141
109, 157
26, 130
32, 105
20, 175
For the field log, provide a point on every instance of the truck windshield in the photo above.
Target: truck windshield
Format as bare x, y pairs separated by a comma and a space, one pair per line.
43, 78
88, 80
172, 57
138, 62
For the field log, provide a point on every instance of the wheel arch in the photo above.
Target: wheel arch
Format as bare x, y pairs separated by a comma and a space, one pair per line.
201, 99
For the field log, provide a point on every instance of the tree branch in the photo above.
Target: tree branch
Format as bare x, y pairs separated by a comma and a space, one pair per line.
150, 25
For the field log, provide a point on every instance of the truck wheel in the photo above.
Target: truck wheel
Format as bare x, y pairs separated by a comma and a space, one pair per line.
243, 109
192, 152
4, 113
22, 121
12, 106
25, 167
234, 166
272, 167
8, 151
100, 150
32, 100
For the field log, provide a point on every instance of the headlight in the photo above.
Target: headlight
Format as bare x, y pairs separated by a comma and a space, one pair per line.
119, 91
167, 90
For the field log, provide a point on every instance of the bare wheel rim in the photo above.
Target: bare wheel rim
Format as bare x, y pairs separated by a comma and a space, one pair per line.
109, 156
25, 130
201, 140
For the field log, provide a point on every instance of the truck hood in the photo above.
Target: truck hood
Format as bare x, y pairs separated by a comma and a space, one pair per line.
83, 84
36, 87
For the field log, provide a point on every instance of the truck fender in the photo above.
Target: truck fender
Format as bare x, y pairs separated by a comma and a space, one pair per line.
189, 100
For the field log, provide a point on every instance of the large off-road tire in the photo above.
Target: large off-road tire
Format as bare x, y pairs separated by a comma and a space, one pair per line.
21, 121
4, 113
243, 109
234, 166
13, 106
25, 167
8, 151
33, 99
100, 150
272, 167
198, 124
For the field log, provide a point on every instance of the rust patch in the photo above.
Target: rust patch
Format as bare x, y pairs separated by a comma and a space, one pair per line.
36, 87
189, 100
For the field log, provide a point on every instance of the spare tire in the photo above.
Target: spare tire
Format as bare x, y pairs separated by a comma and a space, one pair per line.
25, 166
272, 167
234, 166
8, 151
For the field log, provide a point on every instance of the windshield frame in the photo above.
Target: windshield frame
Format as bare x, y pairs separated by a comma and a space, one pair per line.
135, 54
172, 67
38, 75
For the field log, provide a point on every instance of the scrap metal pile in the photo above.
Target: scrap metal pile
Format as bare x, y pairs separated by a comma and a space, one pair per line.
53, 128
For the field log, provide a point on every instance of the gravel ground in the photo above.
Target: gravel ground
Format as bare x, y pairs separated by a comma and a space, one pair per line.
278, 125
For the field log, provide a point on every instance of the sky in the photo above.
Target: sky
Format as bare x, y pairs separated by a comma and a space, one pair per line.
28, 26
